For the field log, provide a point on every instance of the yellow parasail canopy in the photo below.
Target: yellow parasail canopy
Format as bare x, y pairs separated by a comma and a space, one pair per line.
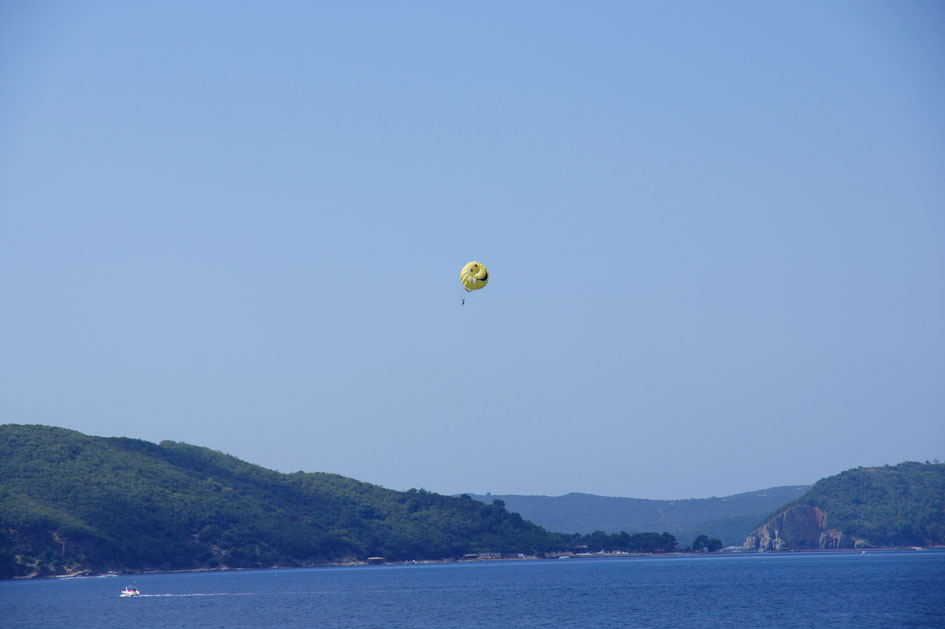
474, 276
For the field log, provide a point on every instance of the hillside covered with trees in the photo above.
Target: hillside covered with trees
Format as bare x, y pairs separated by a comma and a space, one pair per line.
893, 505
71, 502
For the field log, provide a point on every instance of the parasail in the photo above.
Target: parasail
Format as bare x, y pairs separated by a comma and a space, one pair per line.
474, 276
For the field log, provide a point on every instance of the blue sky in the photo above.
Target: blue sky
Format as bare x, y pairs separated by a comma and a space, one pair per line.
715, 234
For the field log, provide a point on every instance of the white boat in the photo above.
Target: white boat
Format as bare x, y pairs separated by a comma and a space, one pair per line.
130, 591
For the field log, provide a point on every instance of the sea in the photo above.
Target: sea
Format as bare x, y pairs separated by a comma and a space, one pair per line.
816, 589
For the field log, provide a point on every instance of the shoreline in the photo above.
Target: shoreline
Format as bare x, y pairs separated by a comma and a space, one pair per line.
87, 574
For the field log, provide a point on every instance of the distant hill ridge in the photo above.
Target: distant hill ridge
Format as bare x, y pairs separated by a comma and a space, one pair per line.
729, 518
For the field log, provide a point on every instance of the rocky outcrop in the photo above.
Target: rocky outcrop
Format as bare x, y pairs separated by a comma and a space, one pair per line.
798, 527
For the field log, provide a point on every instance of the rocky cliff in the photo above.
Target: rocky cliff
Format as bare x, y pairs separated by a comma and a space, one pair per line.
798, 527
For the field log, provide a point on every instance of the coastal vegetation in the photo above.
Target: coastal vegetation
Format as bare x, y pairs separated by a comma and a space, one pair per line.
71, 502
706, 544
892, 505
879, 507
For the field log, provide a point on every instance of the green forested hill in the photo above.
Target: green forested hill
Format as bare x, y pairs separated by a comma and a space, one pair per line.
73, 502
898, 505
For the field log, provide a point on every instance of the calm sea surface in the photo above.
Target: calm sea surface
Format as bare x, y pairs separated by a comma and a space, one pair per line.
881, 589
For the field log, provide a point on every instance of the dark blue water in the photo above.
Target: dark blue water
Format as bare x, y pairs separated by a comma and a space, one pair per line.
882, 589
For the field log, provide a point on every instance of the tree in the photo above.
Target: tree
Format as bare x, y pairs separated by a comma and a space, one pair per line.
704, 544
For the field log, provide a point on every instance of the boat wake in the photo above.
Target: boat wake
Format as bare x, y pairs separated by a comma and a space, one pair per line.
197, 594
